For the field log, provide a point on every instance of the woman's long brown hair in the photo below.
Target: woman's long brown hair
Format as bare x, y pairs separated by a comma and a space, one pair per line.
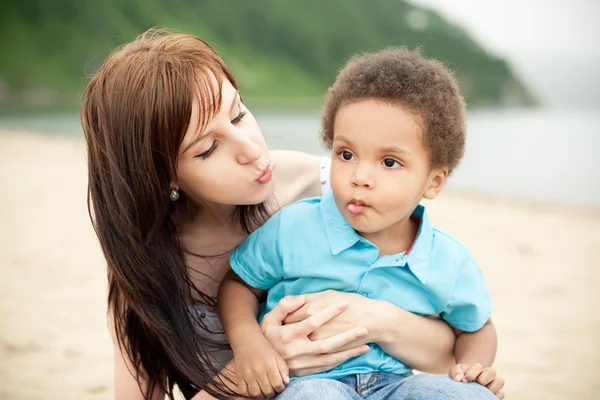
135, 112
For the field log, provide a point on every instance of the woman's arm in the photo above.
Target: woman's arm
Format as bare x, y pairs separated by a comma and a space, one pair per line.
126, 385
296, 176
426, 344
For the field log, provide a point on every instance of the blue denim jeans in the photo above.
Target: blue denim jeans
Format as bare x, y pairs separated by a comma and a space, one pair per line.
383, 386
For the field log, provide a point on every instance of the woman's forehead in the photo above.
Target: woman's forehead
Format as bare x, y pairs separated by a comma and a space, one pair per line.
226, 97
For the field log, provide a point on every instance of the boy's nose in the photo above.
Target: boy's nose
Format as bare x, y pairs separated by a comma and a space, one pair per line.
362, 177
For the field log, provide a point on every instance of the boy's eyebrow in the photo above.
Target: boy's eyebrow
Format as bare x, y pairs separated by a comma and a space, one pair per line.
381, 150
395, 150
200, 137
342, 139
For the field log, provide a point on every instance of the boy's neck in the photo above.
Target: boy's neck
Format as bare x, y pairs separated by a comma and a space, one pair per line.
395, 239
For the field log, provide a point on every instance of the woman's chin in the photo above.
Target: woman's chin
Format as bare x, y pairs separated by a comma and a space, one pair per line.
262, 194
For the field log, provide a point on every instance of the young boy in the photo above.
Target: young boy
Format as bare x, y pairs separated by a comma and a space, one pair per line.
394, 122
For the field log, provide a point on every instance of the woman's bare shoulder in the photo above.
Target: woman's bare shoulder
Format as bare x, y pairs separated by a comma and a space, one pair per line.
296, 176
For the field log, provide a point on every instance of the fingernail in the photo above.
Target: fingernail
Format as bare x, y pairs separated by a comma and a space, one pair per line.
459, 377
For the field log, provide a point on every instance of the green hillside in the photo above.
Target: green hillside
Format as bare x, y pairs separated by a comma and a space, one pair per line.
284, 50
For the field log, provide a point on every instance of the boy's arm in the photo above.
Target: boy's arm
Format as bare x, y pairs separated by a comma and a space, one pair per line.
475, 353
477, 347
238, 308
468, 311
260, 370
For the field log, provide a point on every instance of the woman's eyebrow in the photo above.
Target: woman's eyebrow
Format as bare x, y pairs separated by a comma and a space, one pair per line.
200, 137
234, 101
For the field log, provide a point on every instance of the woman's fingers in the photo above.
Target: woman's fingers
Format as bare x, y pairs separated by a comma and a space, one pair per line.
311, 371
321, 362
299, 315
335, 342
287, 305
306, 327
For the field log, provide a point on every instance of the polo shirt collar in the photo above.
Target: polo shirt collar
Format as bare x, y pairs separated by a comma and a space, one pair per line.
418, 255
340, 234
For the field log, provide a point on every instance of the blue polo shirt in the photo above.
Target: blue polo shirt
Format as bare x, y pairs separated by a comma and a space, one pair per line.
309, 247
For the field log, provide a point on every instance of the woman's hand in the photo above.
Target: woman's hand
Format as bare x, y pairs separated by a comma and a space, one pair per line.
423, 343
359, 308
303, 355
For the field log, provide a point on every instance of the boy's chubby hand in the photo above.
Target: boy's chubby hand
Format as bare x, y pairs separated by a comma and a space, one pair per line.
476, 373
259, 369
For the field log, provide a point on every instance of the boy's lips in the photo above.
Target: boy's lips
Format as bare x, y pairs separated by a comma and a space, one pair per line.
356, 206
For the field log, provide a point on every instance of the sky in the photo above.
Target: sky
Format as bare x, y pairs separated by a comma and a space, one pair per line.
553, 45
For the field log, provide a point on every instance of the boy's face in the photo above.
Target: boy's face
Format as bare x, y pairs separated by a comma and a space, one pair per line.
380, 168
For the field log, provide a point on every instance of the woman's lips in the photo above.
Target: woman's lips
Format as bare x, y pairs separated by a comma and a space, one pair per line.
266, 176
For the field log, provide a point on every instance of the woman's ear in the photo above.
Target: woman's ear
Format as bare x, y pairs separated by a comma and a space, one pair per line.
435, 183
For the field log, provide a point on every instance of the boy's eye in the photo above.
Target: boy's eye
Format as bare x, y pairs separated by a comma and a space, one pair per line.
346, 155
391, 163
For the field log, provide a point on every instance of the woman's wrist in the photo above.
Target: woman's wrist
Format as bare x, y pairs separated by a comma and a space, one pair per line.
383, 322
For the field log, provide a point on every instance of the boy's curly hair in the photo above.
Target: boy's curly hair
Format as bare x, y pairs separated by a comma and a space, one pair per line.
404, 77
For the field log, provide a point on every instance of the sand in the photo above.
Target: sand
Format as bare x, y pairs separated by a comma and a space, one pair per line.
542, 263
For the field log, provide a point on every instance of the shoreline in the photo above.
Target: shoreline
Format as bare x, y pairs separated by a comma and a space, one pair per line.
479, 194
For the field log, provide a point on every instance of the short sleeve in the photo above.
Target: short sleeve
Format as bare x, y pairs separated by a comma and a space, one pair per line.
257, 261
470, 305
325, 175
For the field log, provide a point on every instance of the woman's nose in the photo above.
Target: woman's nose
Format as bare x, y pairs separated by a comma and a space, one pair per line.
247, 150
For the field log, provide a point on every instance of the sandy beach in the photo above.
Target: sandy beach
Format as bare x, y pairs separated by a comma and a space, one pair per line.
542, 263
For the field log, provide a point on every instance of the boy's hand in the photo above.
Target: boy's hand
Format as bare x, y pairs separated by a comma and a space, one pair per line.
476, 373
259, 369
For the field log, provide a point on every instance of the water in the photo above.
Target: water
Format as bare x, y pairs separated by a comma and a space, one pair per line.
545, 155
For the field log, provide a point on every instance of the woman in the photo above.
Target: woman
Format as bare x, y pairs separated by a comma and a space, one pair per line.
179, 174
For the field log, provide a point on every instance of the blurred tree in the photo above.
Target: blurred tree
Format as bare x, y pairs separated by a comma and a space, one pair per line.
277, 48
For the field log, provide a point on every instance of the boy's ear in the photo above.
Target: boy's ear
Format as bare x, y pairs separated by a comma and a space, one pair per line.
435, 183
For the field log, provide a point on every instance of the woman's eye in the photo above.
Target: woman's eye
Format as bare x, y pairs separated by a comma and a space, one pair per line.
391, 163
346, 155
239, 117
208, 152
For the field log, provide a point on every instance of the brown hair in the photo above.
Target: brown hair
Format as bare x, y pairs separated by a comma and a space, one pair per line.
135, 112
404, 77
